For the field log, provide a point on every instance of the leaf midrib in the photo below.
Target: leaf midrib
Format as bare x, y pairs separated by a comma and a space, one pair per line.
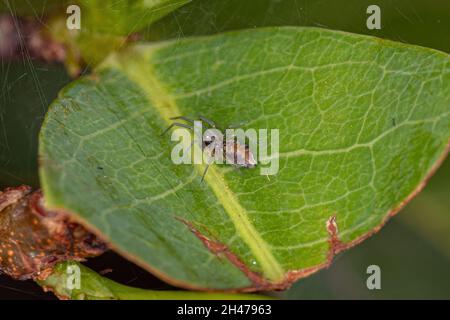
139, 69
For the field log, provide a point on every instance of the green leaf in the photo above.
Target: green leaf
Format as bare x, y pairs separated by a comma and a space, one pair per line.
363, 122
107, 24
34, 8
124, 17
92, 286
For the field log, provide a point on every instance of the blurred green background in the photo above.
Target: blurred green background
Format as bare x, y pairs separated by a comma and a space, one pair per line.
413, 250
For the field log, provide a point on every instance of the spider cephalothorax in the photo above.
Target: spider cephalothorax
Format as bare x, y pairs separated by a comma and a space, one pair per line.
231, 150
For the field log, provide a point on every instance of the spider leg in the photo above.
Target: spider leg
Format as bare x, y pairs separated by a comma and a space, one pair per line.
208, 162
210, 122
190, 146
179, 125
204, 172
183, 118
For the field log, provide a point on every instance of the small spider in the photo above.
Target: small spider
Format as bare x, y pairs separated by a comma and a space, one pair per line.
234, 152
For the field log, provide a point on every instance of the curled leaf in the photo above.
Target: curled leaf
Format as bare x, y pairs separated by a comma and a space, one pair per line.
33, 239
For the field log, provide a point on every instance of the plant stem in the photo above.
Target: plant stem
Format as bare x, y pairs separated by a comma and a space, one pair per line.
92, 286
